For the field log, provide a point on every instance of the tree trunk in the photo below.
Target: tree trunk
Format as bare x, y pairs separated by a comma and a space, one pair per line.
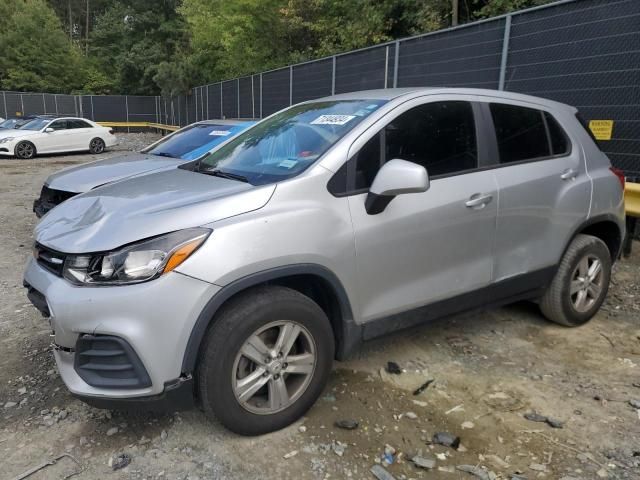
70, 22
86, 43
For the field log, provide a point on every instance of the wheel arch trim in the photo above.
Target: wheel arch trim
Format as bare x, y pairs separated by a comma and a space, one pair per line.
349, 333
603, 218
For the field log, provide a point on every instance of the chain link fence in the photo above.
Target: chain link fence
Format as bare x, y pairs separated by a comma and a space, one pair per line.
582, 52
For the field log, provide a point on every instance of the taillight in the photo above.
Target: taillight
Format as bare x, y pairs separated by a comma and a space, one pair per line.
618, 173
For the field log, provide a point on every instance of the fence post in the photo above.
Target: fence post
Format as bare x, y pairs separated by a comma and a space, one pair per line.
208, 117
260, 95
396, 59
55, 100
333, 76
22, 104
290, 84
386, 67
4, 102
44, 105
93, 113
126, 104
238, 96
221, 108
253, 99
505, 52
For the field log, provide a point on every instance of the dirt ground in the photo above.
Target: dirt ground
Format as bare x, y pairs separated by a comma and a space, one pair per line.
489, 370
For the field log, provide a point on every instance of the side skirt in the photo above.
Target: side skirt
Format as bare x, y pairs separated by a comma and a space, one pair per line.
523, 287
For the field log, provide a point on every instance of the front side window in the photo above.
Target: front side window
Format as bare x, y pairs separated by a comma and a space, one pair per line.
526, 133
59, 125
440, 136
289, 142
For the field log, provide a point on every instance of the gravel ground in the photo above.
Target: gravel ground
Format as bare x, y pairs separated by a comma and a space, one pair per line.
489, 369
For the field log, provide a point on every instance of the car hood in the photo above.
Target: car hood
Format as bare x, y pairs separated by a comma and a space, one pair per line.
85, 177
124, 212
12, 132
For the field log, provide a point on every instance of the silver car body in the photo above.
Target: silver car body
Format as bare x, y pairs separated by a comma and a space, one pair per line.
426, 255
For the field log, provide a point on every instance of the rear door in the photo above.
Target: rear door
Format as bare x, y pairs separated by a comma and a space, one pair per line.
81, 134
430, 246
544, 189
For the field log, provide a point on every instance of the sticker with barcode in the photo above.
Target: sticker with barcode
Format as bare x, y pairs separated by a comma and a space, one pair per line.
333, 119
219, 133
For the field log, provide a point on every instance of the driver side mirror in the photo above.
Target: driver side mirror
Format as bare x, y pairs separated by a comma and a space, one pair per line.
396, 177
49, 130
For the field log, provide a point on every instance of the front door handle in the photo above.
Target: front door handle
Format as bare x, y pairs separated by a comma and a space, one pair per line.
569, 174
478, 201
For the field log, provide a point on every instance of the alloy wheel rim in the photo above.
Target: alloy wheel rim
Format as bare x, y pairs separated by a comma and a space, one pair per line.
274, 367
25, 150
586, 283
96, 145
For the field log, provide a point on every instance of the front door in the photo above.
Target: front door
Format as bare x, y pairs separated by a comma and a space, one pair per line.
430, 246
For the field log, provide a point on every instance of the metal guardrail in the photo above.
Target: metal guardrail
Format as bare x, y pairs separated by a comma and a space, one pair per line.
632, 199
157, 126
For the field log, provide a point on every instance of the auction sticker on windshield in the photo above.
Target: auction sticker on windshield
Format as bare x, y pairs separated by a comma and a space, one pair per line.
333, 119
220, 133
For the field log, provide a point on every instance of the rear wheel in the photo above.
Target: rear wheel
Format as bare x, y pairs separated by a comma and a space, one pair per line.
581, 283
25, 150
265, 360
97, 146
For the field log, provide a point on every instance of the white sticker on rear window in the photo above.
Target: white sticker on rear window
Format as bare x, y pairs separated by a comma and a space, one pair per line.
333, 119
219, 133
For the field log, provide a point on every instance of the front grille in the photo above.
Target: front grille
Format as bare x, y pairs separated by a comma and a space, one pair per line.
49, 259
50, 198
55, 197
109, 362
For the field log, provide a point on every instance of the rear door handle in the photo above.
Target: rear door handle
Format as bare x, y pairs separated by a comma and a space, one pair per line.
478, 201
569, 174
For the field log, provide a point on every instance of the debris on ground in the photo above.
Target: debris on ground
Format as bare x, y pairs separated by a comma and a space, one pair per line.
423, 387
347, 424
446, 439
536, 417
424, 462
48, 463
389, 455
289, 455
538, 467
393, 368
410, 415
381, 473
477, 471
635, 404
120, 461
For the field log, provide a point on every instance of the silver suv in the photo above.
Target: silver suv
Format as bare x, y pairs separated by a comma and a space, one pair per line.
236, 280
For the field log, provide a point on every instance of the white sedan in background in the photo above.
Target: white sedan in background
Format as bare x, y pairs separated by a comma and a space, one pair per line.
44, 135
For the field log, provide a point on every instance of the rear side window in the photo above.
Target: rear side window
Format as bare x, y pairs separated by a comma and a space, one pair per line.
78, 124
520, 133
527, 134
558, 139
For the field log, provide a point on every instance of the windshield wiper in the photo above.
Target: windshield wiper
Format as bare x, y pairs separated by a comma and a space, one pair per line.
164, 154
222, 174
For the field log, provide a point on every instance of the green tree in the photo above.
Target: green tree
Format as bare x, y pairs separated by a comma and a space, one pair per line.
36, 54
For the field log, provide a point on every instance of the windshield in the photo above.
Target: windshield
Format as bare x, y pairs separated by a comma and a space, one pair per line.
286, 144
36, 124
10, 123
195, 140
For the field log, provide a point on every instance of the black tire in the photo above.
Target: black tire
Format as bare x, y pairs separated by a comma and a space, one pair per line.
240, 319
558, 303
25, 150
97, 146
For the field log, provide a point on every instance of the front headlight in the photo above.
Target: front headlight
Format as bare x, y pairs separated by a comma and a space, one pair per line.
6, 139
135, 263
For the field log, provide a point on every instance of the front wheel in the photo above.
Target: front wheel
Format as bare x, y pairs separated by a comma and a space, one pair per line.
97, 146
580, 284
25, 150
265, 360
